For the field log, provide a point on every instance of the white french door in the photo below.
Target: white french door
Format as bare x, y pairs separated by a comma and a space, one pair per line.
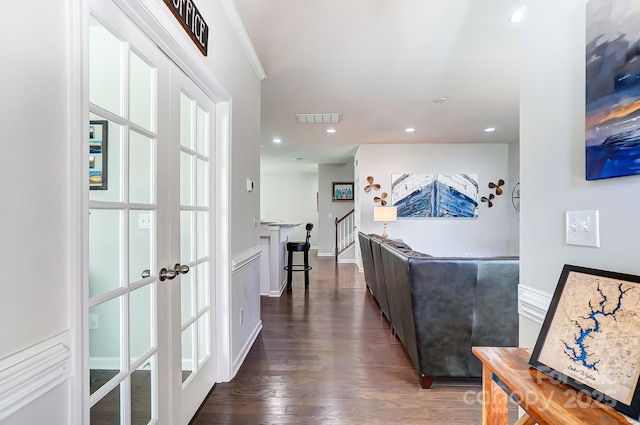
192, 316
150, 297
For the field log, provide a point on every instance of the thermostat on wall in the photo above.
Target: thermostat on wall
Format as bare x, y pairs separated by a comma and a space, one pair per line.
249, 185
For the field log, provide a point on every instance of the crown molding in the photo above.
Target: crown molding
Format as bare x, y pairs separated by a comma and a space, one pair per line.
240, 30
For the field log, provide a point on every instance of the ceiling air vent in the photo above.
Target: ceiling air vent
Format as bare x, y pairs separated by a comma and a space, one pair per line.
318, 118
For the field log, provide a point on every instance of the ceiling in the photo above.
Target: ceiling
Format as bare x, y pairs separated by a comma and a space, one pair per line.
382, 64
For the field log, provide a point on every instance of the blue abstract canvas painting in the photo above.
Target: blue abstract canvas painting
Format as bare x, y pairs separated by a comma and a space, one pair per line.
612, 89
435, 195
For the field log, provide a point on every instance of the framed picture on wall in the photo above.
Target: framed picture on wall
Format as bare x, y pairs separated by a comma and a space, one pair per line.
98, 154
590, 338
342, 191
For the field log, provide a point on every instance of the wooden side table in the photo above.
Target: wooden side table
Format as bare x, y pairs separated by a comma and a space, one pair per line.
506, 374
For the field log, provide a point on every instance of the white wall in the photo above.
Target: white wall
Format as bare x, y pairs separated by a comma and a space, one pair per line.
290, 197
552, 110
305, 197
33, 164
487, 235
45, 410
35, 218
330, 210
229, 64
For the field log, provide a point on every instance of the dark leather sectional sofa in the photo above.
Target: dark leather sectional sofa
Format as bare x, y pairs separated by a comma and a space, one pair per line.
441, 307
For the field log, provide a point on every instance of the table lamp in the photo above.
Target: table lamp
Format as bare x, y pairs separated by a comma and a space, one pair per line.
385, 215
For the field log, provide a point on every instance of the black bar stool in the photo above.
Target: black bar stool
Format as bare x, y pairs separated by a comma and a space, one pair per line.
299, 247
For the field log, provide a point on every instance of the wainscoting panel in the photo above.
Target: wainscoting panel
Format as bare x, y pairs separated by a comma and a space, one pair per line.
532, 303
245, 323
30, 373
242, 259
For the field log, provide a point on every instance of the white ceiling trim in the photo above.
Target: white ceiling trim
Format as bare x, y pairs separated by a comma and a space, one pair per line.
237, 25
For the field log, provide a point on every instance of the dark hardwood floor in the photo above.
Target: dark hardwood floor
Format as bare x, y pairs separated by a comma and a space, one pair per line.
327, 357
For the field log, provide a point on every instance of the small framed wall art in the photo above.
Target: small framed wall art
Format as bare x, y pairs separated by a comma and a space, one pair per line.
98, 154
342, 191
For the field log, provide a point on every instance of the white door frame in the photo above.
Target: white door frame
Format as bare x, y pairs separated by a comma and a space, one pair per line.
153, 20
78, 206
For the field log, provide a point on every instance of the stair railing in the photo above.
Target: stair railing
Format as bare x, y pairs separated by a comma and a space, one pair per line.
345, 232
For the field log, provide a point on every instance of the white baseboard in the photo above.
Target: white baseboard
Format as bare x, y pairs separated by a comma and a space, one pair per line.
104, 363
237, 362
347, 261
278, 293
326, 254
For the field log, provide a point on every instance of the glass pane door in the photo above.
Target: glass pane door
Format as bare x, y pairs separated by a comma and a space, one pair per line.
194, 234
123, 286
192, 301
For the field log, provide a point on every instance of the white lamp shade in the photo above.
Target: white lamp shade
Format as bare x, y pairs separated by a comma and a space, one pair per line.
385, 214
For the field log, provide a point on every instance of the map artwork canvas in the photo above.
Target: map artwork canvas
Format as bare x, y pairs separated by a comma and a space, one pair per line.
590, 338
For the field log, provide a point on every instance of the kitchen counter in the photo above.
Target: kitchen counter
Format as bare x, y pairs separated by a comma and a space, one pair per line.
273, 239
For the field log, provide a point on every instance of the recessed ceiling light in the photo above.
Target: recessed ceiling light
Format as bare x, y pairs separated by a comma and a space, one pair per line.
440, 99
409, 129
518, 16
489, 129
277, 140
331, 130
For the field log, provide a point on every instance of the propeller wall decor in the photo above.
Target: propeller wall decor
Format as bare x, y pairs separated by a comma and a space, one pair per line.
381, 199
499, 191
371, 185
497, 187
488, 200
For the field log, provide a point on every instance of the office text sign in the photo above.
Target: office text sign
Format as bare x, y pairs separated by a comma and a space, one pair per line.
187, 13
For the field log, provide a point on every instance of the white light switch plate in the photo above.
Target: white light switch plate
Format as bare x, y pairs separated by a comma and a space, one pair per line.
583, 228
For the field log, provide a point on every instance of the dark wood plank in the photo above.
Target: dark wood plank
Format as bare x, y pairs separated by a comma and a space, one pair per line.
107, 411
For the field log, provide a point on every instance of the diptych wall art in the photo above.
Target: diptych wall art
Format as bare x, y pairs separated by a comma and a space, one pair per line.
435, 195
612, 89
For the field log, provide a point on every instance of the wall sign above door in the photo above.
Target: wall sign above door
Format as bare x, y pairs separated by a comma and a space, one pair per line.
188, 15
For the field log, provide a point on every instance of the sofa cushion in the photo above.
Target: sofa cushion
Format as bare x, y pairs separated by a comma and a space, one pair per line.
496, 306
367, 263
443, 296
